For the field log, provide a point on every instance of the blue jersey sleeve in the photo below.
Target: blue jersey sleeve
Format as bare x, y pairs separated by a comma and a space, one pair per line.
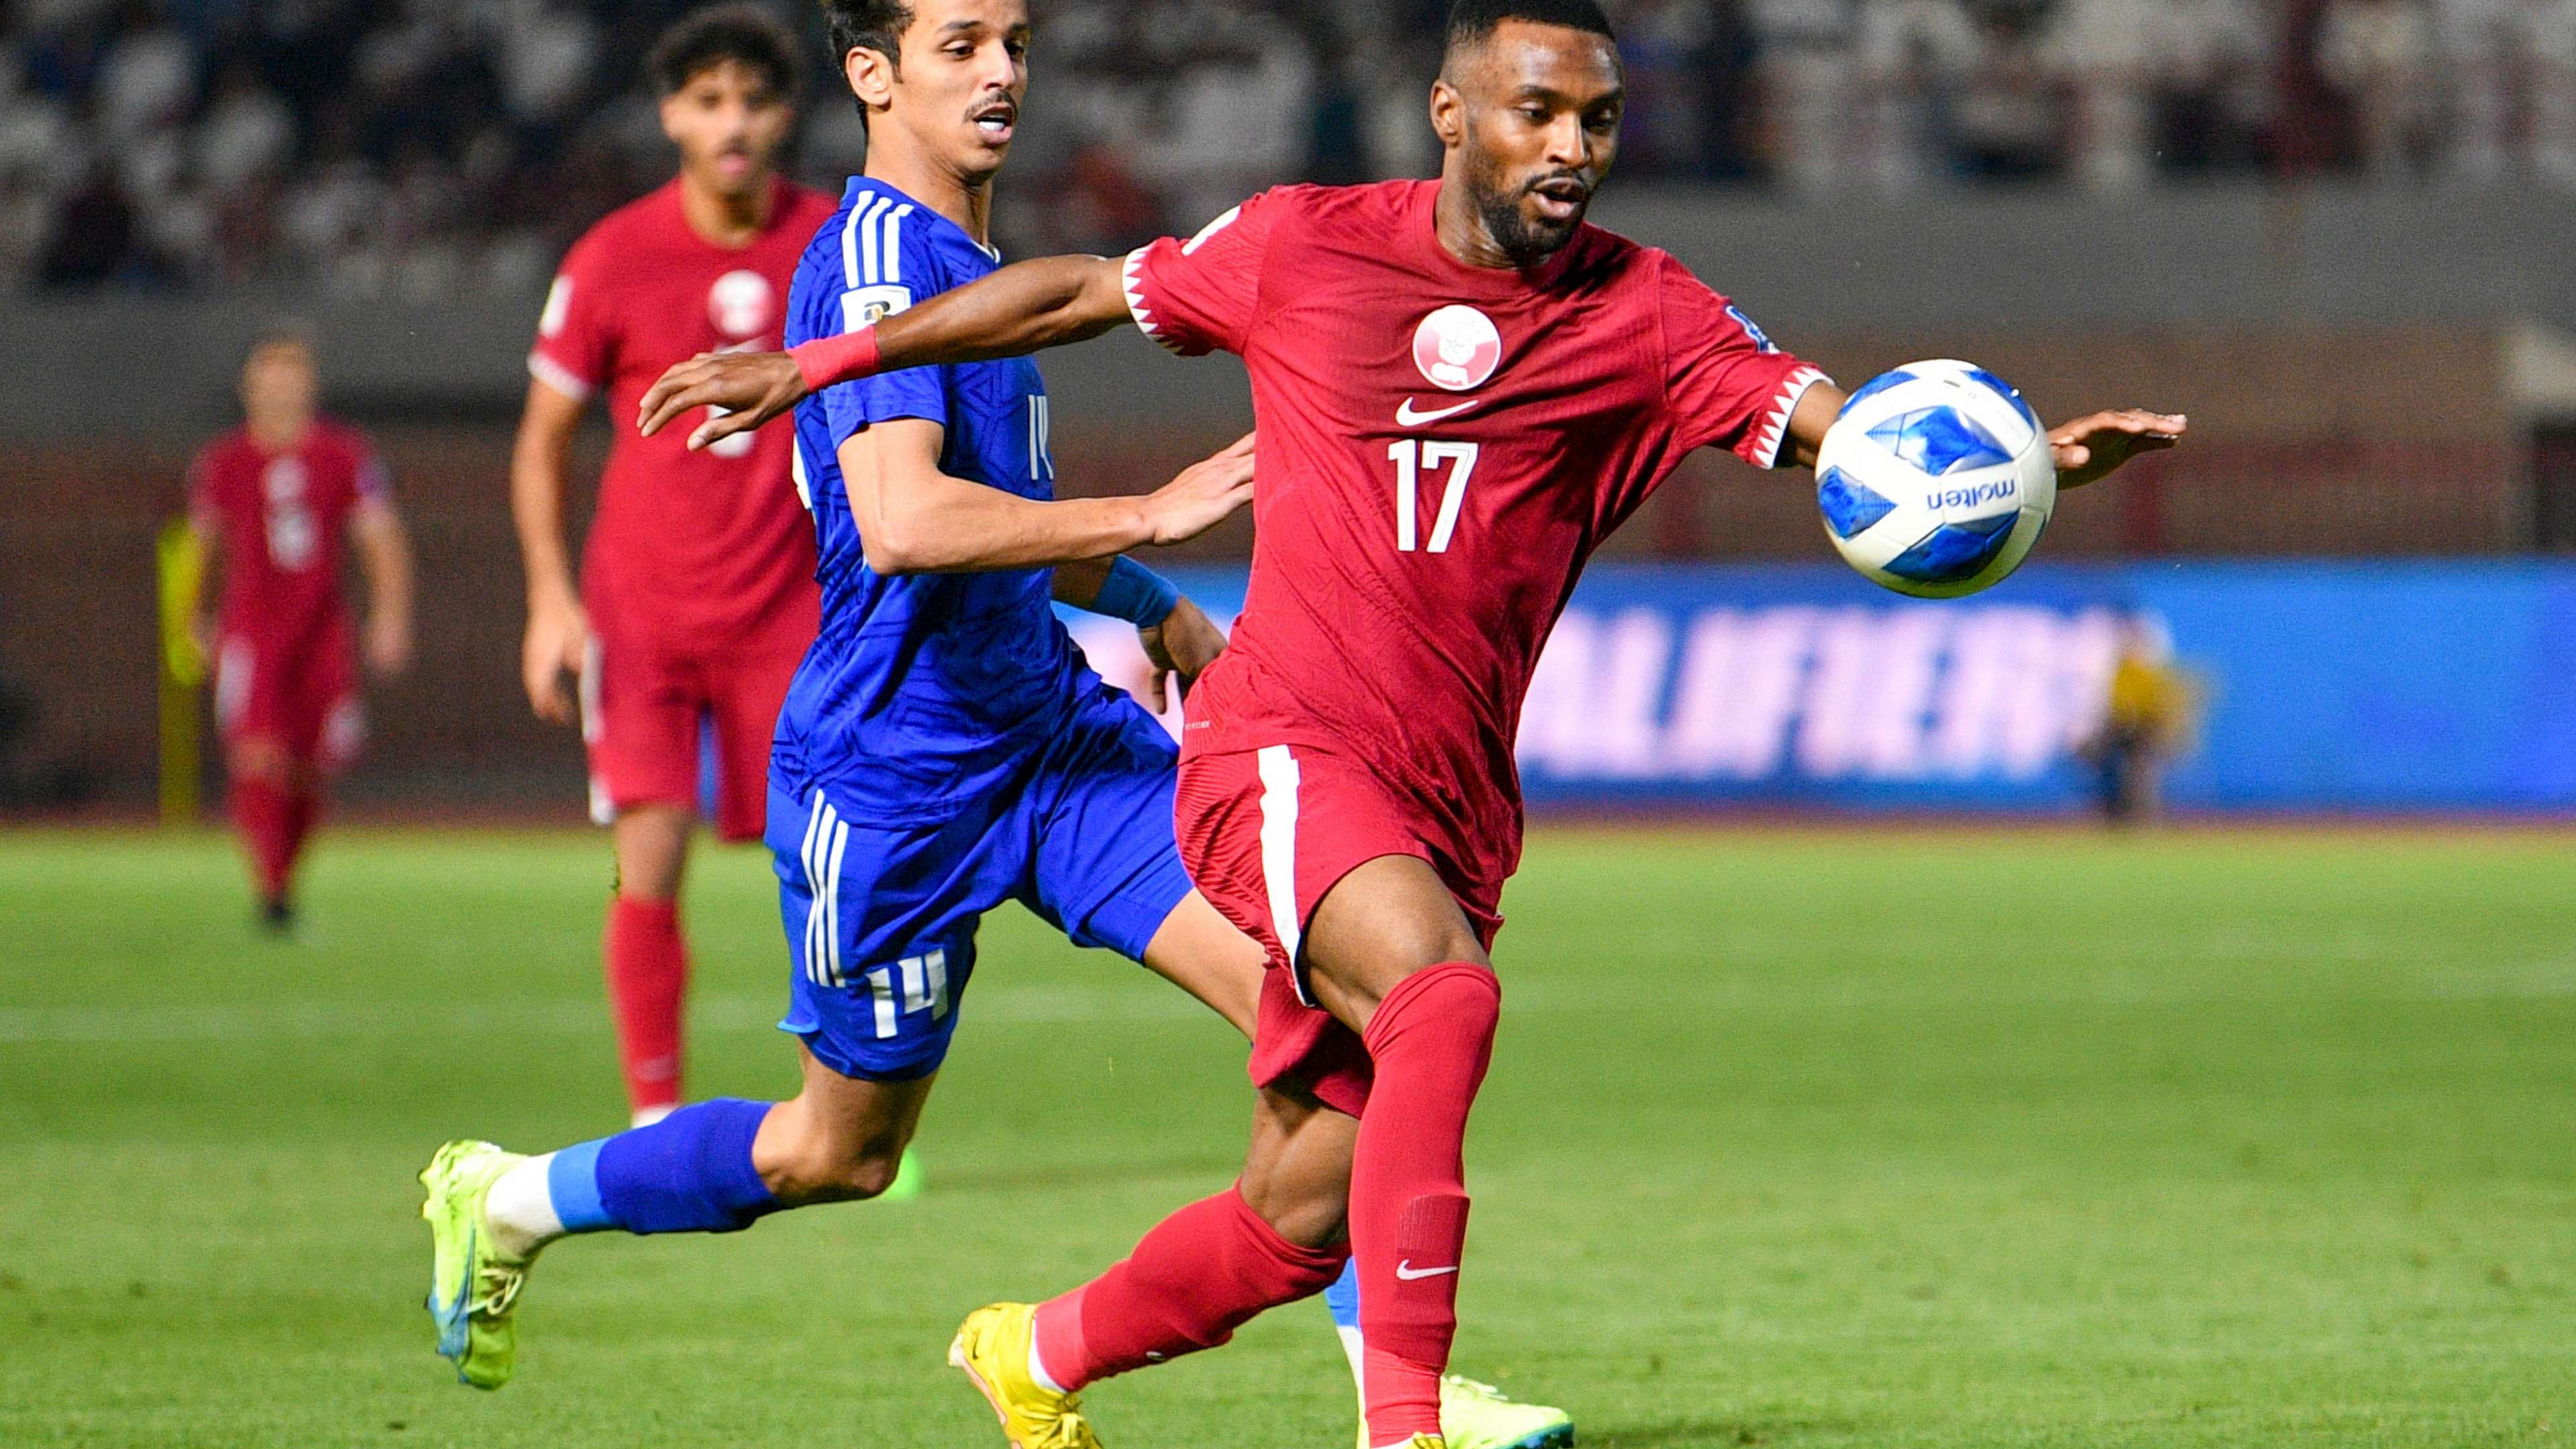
888, 263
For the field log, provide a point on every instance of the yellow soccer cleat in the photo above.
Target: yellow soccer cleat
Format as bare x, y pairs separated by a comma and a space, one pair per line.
992, 1349
474, 1285
1480, 1416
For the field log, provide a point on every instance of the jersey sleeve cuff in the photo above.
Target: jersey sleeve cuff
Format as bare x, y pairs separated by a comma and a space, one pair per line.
1132, 279
559, 377
1773, 437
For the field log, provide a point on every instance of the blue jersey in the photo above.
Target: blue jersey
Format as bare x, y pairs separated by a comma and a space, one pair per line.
920, 691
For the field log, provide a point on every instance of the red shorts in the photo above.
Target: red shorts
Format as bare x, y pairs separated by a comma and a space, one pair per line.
646, 708
1265, 835
304, 696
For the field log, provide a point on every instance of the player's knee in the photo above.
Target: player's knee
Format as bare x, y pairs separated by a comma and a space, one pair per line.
652, 850
263, 759
1460, 1000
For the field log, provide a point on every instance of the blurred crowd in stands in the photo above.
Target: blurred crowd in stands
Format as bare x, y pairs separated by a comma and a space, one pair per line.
413, 147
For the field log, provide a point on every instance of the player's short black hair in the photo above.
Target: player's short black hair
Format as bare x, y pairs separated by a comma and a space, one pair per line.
876, 25
746, 34
1471, 21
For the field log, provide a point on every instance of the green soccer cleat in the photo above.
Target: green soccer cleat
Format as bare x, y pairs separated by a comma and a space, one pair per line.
473, 1287
1480, 1416
907, 1183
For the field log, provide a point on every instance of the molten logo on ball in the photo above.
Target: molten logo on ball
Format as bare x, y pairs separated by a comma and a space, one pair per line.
1457, 348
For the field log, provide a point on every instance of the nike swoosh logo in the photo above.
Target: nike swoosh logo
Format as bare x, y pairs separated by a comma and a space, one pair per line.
1406, 1271
1407, 417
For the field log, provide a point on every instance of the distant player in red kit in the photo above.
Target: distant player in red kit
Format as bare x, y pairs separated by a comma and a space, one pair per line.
697, 595
273, 499
1460, 389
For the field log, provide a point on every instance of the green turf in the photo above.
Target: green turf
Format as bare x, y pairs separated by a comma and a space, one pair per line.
1923, 1139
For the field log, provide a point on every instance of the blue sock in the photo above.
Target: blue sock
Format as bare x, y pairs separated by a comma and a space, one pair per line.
690, 1172
1343, 1298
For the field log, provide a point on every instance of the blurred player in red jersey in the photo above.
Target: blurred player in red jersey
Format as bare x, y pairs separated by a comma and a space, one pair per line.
697, 595
272, 498
1460, 389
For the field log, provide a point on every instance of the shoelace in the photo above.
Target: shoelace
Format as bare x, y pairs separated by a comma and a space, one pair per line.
1067, 1432
496, 1288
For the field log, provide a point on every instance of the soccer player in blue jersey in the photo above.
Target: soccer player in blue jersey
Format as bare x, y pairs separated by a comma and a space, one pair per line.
944, 747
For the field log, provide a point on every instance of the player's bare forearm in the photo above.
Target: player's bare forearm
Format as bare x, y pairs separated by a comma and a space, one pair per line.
384, 555
206, 536
952, 526
1023, 308
1815, 413
915, 519
540, 465
557, 643
2087, 449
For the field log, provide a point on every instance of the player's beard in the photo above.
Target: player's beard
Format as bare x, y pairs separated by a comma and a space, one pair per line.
1526, 241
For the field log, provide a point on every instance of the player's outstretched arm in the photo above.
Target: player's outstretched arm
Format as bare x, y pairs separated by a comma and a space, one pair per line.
2089, 448
915, 519
1022, 308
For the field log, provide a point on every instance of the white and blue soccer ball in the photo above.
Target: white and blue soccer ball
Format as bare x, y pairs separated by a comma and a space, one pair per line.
1936, 479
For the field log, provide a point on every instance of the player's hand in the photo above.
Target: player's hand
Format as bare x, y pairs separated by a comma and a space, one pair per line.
557, 648
1182, 646
1206, 494
2091, 447
746, 389
388, 645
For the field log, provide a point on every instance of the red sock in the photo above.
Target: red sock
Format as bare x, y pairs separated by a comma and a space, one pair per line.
1429, 1044
1198, 1276
648, 979
263, 813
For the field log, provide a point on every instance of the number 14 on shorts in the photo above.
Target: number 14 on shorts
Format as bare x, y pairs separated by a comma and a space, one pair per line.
1412, 458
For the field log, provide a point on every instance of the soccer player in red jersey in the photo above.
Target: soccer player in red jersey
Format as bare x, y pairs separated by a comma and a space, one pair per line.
1460, 390
697, 595
273, 499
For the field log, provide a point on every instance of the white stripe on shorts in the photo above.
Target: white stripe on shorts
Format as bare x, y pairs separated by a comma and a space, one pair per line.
813, 891
1279, 845
234, 662
594, 717
831, 859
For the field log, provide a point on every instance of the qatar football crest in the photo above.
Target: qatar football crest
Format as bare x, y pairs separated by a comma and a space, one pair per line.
1457, 348
742, 304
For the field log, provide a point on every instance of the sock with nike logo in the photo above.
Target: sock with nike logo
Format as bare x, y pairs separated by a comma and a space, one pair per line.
1429, 1044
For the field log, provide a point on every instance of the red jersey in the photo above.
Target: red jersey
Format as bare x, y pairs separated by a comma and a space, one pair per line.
692, 549
1441, 448
280, 519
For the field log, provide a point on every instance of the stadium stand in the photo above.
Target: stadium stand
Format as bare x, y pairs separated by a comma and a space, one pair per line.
415, 148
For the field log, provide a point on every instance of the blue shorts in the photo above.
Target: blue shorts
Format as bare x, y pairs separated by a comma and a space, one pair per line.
881, 921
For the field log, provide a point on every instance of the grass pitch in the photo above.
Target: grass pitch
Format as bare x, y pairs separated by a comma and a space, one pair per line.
1822, 1139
